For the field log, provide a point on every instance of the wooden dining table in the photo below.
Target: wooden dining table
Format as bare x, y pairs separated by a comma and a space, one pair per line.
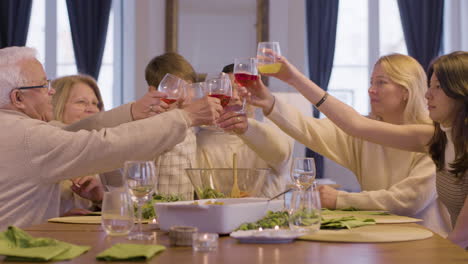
435, 249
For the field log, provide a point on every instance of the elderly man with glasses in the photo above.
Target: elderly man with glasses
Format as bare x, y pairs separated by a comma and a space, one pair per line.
36, 156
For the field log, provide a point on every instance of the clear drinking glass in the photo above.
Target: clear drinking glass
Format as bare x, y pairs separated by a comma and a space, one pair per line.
141, 179
173, 86
117, 213
303, 172
267, 53
305, 210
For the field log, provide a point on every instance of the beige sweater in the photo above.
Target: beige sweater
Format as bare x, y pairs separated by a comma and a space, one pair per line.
399, 181
36, 156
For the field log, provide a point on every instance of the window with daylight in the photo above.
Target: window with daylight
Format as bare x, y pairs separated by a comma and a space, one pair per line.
366, 30
49, 32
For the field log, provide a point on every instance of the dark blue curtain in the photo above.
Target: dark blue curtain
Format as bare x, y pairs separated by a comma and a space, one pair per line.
422, 26
14, 22
321, 20
88, 22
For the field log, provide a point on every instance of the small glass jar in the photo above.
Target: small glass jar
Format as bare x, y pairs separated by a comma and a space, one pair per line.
204, 242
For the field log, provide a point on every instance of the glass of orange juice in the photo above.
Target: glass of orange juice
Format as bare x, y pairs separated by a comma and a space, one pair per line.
267, 53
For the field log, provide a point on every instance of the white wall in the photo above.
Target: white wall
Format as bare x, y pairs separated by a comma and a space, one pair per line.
211, 34
143, 38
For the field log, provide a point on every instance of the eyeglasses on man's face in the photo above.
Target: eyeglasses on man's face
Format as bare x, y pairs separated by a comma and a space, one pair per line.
47, 85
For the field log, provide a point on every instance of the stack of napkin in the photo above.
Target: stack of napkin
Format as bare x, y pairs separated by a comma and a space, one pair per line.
18, 245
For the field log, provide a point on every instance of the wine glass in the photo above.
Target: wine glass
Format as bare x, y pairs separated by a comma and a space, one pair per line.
173, 86
219, 86
303, 172
141, 179
195, 91
245, 71
117, 213
267, 53
305, 210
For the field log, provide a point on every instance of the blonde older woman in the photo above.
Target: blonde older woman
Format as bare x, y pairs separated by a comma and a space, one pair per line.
76, 97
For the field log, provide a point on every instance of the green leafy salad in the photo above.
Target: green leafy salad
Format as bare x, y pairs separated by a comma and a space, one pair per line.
209, 193
147, 210
281, 219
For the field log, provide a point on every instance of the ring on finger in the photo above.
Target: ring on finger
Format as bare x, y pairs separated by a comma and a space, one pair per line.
151, 108
238, 119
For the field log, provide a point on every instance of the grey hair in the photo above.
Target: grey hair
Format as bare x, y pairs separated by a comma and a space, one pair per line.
10, 70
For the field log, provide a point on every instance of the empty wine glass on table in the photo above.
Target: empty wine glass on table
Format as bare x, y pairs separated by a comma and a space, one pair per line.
117, 213
303, 172
267, 53
173, 86
141, 179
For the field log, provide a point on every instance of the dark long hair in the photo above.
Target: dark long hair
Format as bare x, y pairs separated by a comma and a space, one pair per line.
452, 72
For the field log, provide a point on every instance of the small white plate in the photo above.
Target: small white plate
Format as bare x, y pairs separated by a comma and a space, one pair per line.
266, 236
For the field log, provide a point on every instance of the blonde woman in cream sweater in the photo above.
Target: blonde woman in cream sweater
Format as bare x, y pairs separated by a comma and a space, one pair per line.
399, 181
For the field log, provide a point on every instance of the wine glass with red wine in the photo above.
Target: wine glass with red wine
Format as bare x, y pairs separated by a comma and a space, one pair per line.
220, 87
245, 71
173, 86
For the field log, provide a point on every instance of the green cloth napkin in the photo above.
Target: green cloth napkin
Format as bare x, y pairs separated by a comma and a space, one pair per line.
345, 222
18, 245
131, 252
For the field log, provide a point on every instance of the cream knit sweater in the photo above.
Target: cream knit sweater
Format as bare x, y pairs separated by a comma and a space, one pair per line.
399, 181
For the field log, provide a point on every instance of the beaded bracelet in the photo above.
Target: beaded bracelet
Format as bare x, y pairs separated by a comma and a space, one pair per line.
322, 100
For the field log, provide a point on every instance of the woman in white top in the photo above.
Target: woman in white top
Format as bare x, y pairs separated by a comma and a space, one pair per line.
447, 144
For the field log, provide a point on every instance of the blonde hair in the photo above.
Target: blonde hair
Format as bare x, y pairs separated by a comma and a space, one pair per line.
409, 74
63, 87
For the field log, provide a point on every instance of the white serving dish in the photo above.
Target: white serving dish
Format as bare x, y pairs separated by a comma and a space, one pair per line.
221, 219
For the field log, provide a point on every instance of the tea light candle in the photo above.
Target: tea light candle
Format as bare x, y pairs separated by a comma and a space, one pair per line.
153, 224
204, 242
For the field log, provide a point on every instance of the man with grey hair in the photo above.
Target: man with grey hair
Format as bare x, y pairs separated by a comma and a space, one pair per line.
36, 156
